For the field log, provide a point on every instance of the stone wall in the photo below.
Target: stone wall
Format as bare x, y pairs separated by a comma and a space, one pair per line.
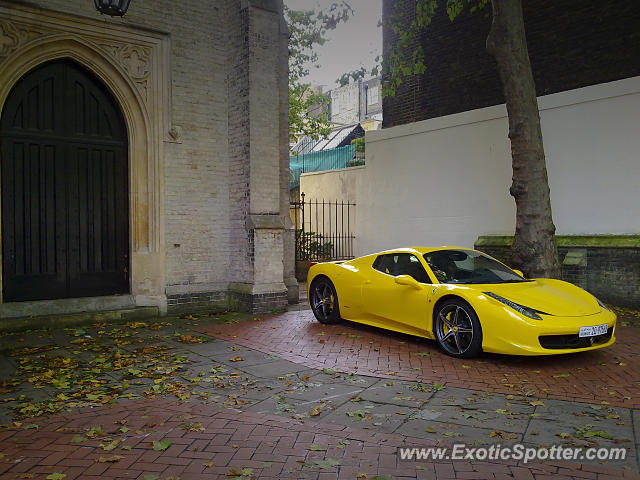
222, 147
572, 44
608, 266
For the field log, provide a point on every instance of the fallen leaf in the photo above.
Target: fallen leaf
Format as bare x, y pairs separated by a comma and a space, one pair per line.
161, 446
107, 447
111, 459
188, 338
503, 435
315, 411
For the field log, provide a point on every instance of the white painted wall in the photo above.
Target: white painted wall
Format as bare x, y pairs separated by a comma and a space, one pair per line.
342, 184
445, 181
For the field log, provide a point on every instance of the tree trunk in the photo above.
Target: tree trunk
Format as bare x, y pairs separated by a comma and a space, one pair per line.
534, 247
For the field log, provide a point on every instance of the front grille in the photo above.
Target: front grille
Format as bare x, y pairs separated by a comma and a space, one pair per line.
573, 340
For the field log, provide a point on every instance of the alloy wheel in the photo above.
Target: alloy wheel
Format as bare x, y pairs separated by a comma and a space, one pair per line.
454, 329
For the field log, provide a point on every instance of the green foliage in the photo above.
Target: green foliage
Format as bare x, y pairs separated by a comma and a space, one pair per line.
307, 30
356, 162
359, 144
345, 78
306, 113
359, 157
312, 246
406, 58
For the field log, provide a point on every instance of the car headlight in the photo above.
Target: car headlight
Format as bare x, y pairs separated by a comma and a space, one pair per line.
526, 311
601, 303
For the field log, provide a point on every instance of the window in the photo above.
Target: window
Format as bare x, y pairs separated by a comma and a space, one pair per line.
466, 266
373, 95
385, 264
395, 264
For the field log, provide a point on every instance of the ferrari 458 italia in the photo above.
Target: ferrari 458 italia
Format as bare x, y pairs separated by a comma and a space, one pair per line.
467, 301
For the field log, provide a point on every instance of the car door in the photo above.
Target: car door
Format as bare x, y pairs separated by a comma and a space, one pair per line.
401, 307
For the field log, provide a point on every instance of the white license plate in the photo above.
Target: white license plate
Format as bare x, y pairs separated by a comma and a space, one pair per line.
593, 331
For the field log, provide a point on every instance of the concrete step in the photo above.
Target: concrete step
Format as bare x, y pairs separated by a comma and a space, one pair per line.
65, 320
66, 305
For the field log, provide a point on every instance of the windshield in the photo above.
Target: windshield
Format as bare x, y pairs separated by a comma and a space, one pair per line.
466, 266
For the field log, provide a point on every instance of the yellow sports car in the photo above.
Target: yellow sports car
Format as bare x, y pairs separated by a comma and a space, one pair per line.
467, 301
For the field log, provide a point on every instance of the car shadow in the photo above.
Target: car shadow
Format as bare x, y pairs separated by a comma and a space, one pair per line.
534, 362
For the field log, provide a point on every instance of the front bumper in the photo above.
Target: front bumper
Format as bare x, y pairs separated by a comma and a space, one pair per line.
550, 336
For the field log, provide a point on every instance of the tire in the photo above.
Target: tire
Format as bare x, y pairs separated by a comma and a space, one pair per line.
324, 301
457, 329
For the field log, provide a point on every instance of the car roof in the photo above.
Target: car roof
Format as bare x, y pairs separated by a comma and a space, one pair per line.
421, 250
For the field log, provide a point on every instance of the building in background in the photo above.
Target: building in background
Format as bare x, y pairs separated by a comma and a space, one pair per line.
144, 158
359, 102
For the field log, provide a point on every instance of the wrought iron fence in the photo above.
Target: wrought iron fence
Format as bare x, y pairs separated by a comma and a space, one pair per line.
323, 229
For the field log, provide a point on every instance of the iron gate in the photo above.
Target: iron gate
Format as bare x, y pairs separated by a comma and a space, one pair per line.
323, 229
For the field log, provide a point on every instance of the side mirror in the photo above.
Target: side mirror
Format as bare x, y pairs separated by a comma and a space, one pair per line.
408, 281
518, 272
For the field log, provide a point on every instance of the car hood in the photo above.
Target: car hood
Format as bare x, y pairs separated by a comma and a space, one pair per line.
552, 297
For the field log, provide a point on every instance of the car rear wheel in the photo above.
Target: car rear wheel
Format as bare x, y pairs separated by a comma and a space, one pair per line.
457, 329
324, 301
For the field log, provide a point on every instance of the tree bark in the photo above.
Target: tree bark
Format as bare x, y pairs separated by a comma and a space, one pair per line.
534, 247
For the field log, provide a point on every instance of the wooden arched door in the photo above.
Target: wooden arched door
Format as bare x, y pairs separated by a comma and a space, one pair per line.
65, 195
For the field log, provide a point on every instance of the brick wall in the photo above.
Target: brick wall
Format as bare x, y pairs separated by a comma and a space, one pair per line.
571, 43
606, 266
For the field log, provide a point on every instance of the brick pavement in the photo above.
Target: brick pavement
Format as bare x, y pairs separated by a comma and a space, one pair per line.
224, 444
208, 441
606, 375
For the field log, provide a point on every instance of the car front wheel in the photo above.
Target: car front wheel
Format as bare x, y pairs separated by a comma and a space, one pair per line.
324, 301
457, 329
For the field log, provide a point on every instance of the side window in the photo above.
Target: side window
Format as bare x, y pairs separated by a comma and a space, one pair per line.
408, 264
385, 264
401, 264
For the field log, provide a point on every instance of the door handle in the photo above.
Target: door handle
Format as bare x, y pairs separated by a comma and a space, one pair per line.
367, 282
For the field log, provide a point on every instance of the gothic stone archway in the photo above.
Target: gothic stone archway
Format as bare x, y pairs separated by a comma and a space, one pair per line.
134, 67
65, 212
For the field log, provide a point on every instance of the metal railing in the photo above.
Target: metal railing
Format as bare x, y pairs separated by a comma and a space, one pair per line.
323, 229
